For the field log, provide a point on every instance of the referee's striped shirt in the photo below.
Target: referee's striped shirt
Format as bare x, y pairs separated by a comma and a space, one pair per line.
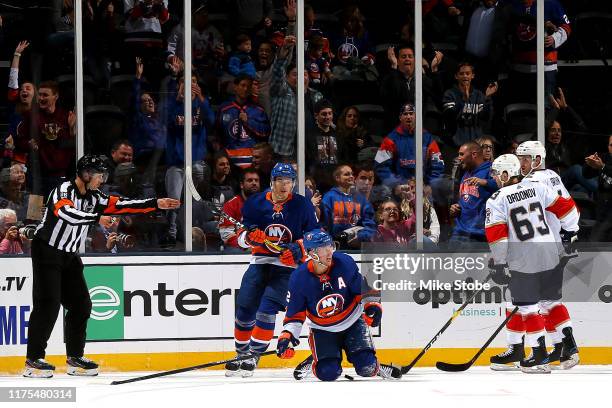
69, 214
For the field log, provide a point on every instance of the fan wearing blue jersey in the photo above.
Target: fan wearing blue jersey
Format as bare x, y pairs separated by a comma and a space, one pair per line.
274, 223
327, 290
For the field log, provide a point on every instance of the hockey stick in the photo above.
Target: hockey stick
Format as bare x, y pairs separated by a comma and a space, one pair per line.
219, 213
440, 365
407, 368
196, 367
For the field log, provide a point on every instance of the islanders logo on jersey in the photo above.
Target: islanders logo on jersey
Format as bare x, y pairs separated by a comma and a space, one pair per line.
281, 234
526, 32
330, 305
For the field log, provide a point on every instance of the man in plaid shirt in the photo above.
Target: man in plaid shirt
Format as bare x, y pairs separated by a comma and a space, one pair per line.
283, 91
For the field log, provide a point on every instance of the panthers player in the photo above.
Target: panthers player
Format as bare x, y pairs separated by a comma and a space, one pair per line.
271, 218
532, 155
328, 291
525, 256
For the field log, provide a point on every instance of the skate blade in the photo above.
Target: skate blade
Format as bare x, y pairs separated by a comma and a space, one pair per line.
573, 360
233, 373
247, 374
505, 367
30, 372
538, 369
81, 372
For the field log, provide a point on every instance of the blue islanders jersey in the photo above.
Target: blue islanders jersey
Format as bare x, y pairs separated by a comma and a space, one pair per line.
334, 309
286, 222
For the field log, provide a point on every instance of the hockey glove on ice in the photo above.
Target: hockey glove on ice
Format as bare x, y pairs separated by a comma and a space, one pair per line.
286, 342
500, 274
372, 314
569, 239
293, 254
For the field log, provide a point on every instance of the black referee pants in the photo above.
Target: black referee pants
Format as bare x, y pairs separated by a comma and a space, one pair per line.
58, 280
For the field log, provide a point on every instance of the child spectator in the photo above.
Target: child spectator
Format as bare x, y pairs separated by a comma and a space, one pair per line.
240, 62
317, 64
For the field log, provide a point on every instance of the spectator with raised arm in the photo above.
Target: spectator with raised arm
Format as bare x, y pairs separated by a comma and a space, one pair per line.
467, 110
398, 87
208, 49
20, 98
47, 137
600, 165
147, 129
202, 117
283, 93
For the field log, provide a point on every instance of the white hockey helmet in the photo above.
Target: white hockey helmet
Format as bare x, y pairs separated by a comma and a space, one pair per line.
507, 163
532, 148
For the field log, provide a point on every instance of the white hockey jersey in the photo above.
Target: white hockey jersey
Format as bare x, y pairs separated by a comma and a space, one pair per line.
517, 229
552, 180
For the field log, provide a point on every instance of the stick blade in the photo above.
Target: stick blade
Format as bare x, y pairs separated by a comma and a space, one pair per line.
452, 368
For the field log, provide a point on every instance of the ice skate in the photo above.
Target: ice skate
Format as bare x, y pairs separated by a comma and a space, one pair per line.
38, 368
510, 359
81, 366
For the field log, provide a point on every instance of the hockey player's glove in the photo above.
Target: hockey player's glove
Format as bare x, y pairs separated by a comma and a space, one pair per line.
256, 237
500, 274
293, 254
372, 314
286, 342
569, 239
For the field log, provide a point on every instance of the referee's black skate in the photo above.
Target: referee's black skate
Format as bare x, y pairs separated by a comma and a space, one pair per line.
38, 368
388, 371
247, 367
81, 366
569, 354
537, 362
510, 359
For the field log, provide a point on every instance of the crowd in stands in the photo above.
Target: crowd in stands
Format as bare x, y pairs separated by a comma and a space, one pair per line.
478, 101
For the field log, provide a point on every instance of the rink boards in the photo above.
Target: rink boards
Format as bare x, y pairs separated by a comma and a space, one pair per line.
163, 312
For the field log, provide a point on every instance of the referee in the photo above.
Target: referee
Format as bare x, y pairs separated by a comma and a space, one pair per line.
72, 207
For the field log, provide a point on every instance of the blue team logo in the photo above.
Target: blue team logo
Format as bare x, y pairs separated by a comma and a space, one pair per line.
281, 234
330, 305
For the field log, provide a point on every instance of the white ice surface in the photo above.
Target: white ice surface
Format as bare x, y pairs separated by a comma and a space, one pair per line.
422, 387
